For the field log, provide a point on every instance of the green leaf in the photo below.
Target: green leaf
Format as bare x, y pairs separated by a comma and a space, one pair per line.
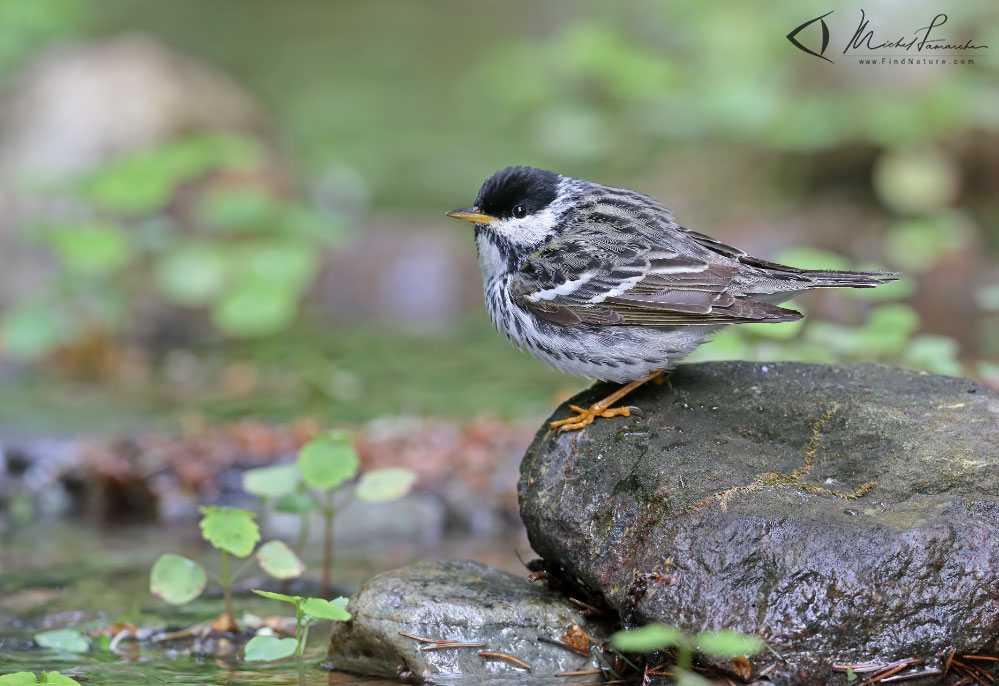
255, 308
89, 248
230, 529
193, 274
728, 644
937, 354
260, 648
295, 503
239, 208
851, 675
30, 331
19, 679
143, 181
341, 601
290, 265
271, 482
69, 640
58, 679
324, 609
176, 579
888, 328
917, 244
383, 485
278, 560
916, 180
327, 462
278, 596
647, 639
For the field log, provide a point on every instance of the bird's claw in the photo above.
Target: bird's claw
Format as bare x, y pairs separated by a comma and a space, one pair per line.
585, 416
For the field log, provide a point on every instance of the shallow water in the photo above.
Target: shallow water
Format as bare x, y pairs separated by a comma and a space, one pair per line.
78, 576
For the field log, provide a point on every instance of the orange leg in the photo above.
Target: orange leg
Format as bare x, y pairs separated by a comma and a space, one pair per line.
585, 417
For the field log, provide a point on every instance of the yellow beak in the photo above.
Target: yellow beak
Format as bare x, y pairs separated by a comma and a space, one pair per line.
471, 214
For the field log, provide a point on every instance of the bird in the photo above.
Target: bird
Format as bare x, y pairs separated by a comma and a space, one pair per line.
601, 282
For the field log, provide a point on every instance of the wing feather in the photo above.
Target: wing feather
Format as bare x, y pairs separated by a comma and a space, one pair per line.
627, 263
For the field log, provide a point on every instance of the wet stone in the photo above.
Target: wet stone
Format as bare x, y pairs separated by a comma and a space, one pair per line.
466, 602
847, 514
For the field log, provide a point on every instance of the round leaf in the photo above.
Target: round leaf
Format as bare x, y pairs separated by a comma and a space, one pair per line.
270, 648
63, 639
18, 679
30, 331
278, 560
230, 529
341, 601
326, 463
89, 248
58, 679
324, 609
176, 579
277, 596
271, 482
382, 485
256, 308
295, 503
647, 639
192, 275
728, 644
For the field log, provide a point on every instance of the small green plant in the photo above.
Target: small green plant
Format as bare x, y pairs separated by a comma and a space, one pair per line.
69, 640
722, 644
29, 679
161, 225
178, 580
324, 465
307, 612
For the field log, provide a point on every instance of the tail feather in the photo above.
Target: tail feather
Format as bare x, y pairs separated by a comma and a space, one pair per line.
821, 278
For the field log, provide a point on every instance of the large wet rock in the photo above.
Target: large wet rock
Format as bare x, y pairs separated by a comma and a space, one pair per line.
844, 513
466, 602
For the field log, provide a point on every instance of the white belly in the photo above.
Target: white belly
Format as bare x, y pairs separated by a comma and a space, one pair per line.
609, 353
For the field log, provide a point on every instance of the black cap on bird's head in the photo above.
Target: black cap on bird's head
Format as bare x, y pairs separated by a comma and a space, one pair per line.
513, 193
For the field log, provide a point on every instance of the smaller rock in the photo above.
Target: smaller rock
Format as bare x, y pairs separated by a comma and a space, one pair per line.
465, 602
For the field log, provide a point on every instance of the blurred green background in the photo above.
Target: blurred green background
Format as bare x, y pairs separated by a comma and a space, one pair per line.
231, 209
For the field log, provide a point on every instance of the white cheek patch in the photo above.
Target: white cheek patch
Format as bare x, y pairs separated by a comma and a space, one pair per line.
566, 288
529, 231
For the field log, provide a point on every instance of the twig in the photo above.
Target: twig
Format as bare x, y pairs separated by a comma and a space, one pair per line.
947, 662
980, 657
590, 610
972, 671
504, 656
421, 639
859, 669
890, 670
915, 675
453, 644
564, 646
581, 672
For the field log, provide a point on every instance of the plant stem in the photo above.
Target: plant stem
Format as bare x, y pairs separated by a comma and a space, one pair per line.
226, 588
264, 512
301, 642
303, 532
683, 657
329, 512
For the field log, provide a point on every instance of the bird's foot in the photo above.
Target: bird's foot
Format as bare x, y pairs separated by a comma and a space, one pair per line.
585, 416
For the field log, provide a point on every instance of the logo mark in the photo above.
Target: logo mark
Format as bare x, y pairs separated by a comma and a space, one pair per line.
825, 37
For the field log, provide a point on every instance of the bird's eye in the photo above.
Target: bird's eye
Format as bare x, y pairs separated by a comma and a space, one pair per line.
519, 211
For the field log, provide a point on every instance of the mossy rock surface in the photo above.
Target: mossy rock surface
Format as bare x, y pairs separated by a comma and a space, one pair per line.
845, 513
